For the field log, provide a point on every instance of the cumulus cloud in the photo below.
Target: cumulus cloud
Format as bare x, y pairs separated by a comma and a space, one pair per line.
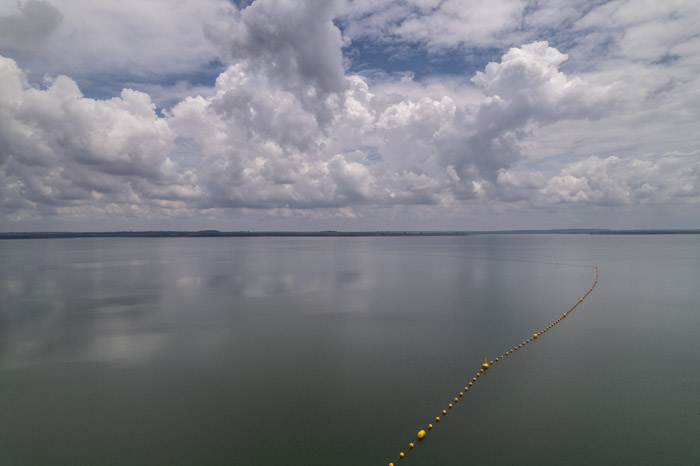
612, 181
525, 89
59, 149
294, 45
263, 146
286, 131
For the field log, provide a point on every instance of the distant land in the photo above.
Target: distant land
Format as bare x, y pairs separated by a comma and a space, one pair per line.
226, 234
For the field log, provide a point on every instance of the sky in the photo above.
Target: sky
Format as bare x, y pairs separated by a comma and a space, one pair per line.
349, 115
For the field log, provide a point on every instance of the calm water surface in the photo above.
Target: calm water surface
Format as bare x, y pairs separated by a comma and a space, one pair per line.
336, 351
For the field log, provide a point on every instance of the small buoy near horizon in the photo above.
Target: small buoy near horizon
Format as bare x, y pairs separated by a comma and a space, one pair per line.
401, 455
534, 335
410, 445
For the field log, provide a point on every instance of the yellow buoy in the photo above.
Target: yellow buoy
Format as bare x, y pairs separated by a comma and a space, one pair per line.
401, 455
437, 418
421, 433
444, 412
410, 445
391, 464
450, 405
456, 400
430, 426
485, 365
534, 335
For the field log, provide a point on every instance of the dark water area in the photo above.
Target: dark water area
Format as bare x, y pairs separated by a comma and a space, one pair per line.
336, 351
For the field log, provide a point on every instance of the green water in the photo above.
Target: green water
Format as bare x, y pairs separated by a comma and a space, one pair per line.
336, 351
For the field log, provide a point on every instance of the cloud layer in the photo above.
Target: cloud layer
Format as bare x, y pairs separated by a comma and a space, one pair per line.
286, 132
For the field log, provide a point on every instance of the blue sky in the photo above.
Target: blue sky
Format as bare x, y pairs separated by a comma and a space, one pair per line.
349, 115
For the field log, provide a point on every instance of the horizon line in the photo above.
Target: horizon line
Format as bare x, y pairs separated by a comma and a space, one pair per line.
330, 233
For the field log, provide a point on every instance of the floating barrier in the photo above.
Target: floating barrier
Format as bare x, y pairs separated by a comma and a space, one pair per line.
486, 365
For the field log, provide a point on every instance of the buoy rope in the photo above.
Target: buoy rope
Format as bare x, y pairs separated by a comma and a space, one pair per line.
488, 364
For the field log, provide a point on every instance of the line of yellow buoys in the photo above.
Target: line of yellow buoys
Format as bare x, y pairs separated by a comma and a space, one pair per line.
487, 364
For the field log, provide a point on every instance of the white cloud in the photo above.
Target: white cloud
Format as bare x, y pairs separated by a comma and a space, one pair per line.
612, 181
437, 24
456, 22
92, 40
294, 45
287, 132
59, 149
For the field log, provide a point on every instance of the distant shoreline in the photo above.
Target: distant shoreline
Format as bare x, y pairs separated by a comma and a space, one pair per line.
329, 233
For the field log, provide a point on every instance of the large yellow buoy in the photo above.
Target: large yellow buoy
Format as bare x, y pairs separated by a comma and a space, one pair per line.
421, 434
485, 365
534, 335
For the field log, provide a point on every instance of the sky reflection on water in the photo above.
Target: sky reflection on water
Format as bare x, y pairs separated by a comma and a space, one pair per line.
264, 351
